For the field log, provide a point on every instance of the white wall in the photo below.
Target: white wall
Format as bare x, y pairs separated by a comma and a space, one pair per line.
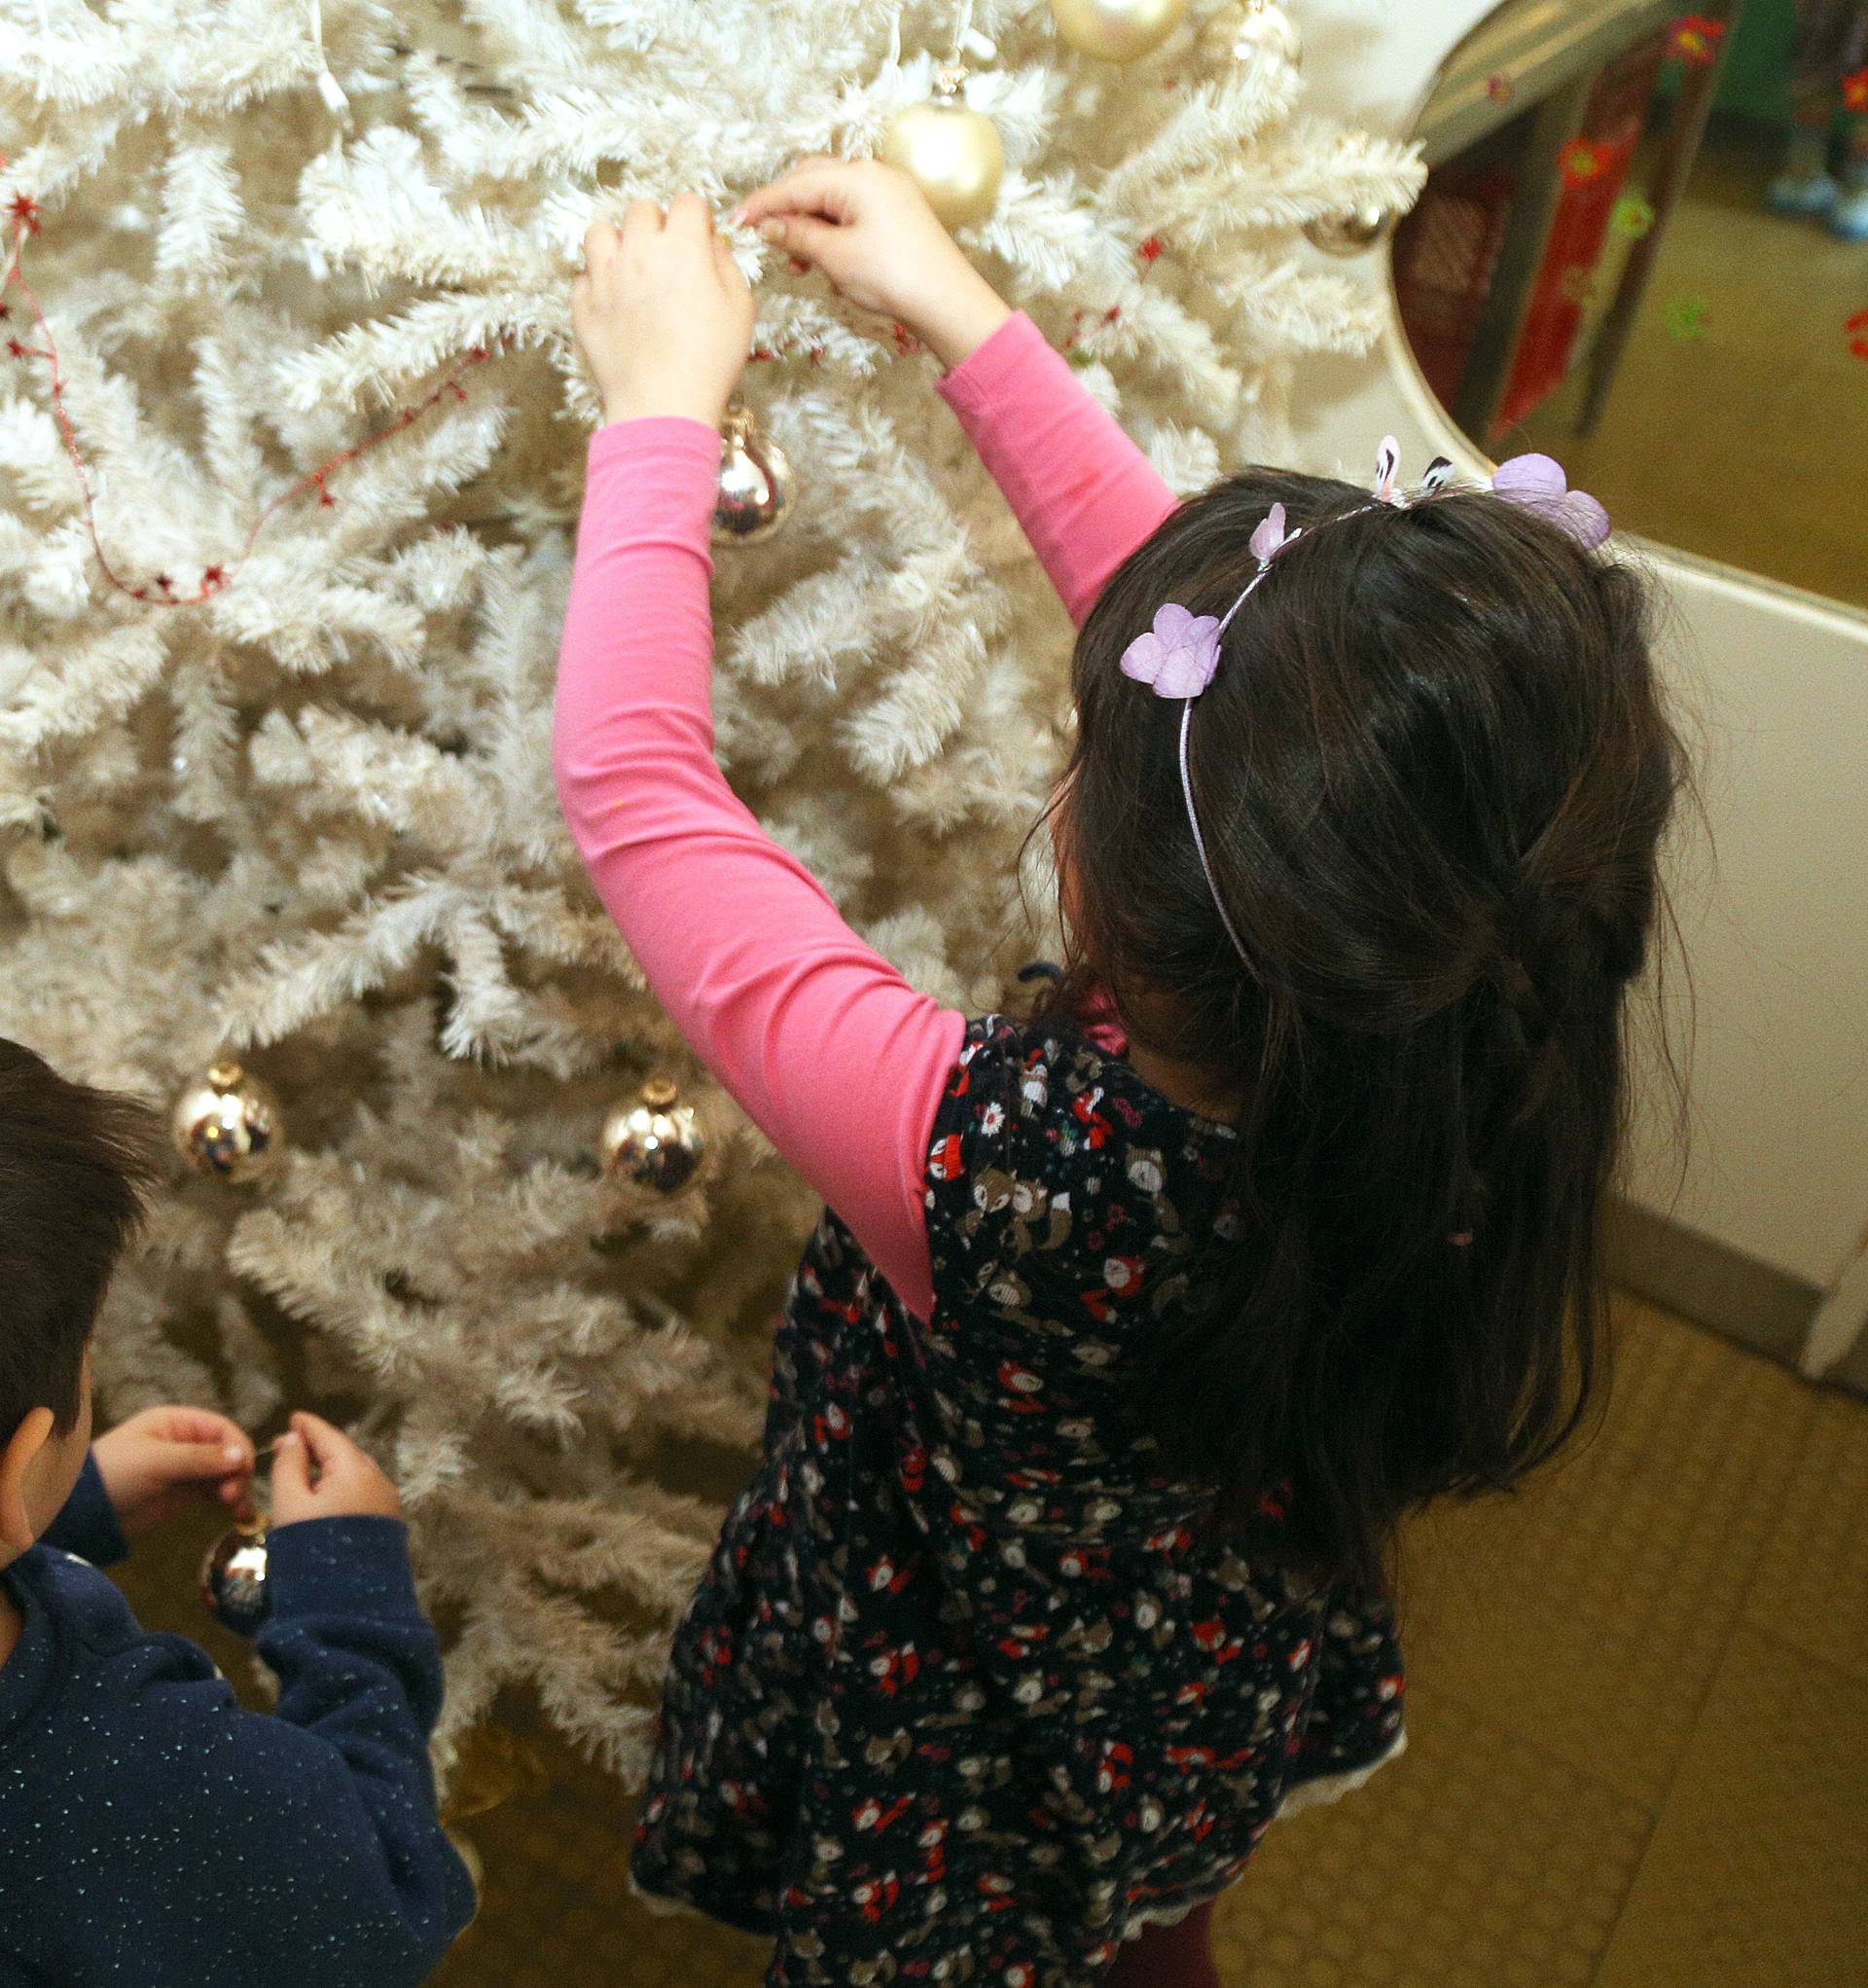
1779, 929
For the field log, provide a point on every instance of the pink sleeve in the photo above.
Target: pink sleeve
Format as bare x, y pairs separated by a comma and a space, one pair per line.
1085, 494
829, 1049
831, 1054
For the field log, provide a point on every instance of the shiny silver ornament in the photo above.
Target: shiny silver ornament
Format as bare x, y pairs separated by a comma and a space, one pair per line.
234, 1579
952, 153
656, 1142
1353, 232
755, 482
1268, 30
1117, 31
227, 1123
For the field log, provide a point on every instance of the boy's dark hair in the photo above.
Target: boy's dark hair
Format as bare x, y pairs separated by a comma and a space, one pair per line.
75, 1166
1432, 771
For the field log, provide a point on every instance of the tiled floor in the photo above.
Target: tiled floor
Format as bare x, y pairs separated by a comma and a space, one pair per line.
1637, 1755
1743, 442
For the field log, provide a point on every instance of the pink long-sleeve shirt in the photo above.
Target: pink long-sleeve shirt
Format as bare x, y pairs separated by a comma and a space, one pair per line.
836, 1059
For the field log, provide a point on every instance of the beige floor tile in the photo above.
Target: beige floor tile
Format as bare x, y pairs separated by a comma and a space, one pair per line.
557, 1912
1472, 1862
1590, 1611
1812, 1585
1754, 1876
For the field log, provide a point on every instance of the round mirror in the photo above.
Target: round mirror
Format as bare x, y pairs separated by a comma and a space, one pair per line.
1642, 248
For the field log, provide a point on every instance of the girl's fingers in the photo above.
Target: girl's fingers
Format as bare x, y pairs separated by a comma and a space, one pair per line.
822, 190
689, 210
803, 235
641, 217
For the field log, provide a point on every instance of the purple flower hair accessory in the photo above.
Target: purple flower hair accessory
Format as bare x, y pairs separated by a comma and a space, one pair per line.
1178, 655
1539, 484
1270, 538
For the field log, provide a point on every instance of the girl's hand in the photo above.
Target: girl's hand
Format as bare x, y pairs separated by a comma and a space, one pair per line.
156, 1464
869, 228
663, 315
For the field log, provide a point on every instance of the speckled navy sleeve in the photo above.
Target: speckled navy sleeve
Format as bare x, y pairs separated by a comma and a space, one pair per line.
359, 1666
87, 1525
154, 1834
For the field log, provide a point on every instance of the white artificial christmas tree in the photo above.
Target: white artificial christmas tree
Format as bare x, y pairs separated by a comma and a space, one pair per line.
274, 746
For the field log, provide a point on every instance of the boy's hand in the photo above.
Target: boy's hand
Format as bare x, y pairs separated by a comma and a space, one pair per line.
662, 313
158, 1462
319, 1473
869, 228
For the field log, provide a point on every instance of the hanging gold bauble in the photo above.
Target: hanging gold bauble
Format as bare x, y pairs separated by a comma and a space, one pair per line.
655, 1142
755, 481
1117, 31
1268, 30
476, 1870
234, 1579
491, 1766
229, 1123
1353, 232
951, 152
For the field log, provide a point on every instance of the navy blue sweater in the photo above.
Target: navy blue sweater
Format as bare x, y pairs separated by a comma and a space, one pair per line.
154, 1835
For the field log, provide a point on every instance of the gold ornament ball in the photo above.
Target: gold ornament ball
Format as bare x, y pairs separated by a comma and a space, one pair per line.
491, 1766
227, 1123
234, 1579
476, 1869
656, 1142
1268, 30
951, 153
1353, 232
754, 497
1117, 31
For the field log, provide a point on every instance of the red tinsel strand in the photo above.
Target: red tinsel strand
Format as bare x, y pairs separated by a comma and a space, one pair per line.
25, 212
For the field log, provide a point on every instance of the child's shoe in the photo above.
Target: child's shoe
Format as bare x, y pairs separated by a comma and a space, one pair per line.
1802, 193
1804, 186
1849, 216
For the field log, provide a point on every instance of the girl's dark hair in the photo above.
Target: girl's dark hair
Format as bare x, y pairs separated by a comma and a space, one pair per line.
1432, 771
75, 1166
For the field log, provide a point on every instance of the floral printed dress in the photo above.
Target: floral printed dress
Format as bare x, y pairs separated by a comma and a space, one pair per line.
959, 1699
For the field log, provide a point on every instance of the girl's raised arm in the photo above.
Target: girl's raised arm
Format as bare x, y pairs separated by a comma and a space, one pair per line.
830, 1051
1085, 494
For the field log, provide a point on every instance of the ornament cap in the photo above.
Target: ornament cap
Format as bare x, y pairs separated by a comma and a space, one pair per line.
660, 1092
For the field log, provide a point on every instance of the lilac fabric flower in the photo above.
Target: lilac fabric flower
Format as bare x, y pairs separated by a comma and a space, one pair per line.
1270, 538
1539, 482
1178, 655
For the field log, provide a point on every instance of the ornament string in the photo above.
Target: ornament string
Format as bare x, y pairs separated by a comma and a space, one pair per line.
329, 88
161, 591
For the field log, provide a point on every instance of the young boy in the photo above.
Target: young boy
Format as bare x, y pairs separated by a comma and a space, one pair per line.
152, 1832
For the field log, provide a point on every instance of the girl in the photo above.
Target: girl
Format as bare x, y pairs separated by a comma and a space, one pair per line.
1131, 1329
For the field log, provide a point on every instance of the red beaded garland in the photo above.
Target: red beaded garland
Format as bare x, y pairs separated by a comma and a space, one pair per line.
24, 210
